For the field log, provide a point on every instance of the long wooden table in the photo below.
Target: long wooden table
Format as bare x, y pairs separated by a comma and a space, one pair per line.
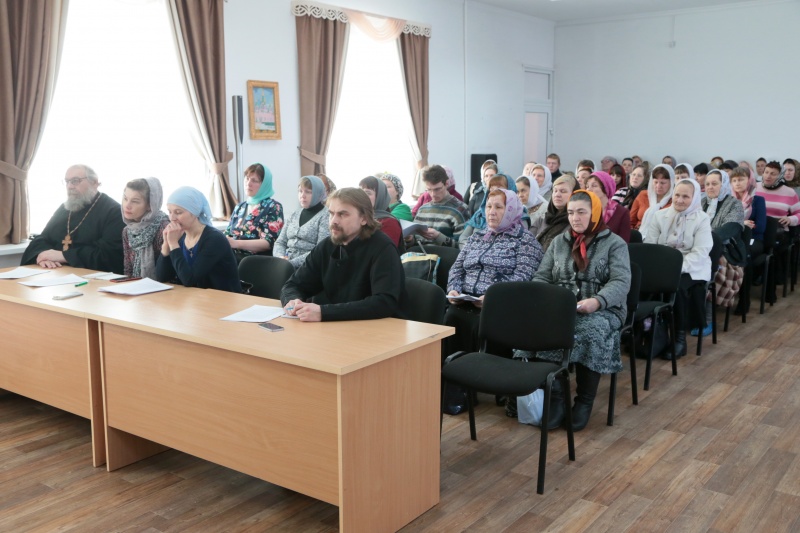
343, 412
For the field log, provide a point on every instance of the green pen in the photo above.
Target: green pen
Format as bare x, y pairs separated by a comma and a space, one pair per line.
81, 284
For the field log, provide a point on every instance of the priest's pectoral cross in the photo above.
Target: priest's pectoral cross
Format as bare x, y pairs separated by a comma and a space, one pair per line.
66, 242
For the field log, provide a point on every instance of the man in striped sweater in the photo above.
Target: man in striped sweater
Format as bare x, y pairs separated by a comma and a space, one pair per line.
444, 215
782, 202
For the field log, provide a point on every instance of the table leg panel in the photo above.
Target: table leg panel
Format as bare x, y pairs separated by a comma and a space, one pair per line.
267, 419
390, 441
44, 356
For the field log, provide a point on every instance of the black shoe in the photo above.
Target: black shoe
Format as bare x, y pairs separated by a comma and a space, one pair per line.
680, 347
587, 382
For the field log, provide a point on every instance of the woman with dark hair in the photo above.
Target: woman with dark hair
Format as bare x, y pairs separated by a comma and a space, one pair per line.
658, 197
142, 236
379, 196
636, 183
619, 175
594, 264
256, 222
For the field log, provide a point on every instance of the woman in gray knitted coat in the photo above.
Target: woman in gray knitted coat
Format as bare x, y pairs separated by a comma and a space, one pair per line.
307, 226
592, 262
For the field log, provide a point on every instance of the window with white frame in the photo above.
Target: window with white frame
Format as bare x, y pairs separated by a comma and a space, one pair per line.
119, 106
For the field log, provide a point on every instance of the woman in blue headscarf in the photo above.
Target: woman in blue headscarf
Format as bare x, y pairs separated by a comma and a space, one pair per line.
194, 253
256, 222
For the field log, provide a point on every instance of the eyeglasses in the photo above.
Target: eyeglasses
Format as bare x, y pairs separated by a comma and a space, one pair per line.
440, 188
73, 181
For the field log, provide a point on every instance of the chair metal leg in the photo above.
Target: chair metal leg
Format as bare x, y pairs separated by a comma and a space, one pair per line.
672, 342
634, 386
727, 317
470, 405
714, 315
649, 365
786, 254
764, 283
568, 417
612, 394
548, 388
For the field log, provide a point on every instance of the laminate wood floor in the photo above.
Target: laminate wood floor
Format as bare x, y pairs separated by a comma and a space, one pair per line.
716, 448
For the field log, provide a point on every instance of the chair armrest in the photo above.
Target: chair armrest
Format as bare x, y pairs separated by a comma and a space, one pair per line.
452, 357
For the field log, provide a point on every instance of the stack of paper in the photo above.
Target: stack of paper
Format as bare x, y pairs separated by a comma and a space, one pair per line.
104, 276
256, 313
136, 288
22, 272
52, 282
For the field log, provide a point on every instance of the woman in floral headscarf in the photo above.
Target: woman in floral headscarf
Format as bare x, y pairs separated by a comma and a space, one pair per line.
593, 263
616, 217
394, 187
503, 250
256, 222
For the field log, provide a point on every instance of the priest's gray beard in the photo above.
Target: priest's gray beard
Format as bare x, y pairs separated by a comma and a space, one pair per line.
78, 201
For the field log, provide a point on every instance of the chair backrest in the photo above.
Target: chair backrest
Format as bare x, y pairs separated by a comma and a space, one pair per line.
661, 267
266, 274
770, 234
528, 315
716, 252
447, 256
426, 302
633, 292
636, 236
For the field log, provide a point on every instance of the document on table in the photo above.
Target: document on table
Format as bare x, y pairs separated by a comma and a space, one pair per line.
104, 276
52, 282
256, 313
22, 272
136, 288
464, 298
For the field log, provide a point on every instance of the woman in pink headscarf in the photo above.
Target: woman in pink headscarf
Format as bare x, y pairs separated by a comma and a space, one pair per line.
615, 215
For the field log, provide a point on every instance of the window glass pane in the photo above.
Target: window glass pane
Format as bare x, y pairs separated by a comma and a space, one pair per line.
119, 106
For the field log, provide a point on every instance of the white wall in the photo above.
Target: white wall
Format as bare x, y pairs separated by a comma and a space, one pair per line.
729, 87
465, 118
499, 45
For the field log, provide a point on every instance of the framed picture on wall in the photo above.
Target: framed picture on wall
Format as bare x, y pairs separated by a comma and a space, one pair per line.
265, 109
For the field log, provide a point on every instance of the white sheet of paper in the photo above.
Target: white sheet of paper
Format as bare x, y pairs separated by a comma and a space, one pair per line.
136, 288
22, 272
104, 276
52, 282
256, 313
464, 298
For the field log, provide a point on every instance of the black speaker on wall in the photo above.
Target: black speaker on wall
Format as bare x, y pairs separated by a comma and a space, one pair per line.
475, 165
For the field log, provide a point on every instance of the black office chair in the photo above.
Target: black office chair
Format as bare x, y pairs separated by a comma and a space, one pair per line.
765, 260
627, 327
636, 237
715, 254
447, 256
266, 274
661, 277
426, 301
528, 316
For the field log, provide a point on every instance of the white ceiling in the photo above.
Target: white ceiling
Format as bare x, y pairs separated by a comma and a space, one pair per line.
568, 10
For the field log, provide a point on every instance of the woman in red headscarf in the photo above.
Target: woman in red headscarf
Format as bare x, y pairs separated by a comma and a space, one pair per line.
593, 262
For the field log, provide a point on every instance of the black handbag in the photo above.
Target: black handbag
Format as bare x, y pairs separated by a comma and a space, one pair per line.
420, 265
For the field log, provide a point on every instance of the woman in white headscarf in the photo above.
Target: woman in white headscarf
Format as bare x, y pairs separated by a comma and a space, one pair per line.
528, 192
307, 226
544, 178
685, 227
658, 197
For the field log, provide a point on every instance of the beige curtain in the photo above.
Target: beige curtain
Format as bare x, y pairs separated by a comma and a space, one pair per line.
414, 59
379, 29
31, 38
197, 27
321, 45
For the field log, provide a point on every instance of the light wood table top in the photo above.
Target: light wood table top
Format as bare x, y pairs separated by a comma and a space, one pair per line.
194, 315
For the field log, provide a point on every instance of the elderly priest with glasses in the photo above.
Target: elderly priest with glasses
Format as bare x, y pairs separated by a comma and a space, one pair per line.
85, 231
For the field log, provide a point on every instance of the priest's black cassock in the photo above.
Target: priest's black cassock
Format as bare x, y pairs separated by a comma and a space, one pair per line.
96, 244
